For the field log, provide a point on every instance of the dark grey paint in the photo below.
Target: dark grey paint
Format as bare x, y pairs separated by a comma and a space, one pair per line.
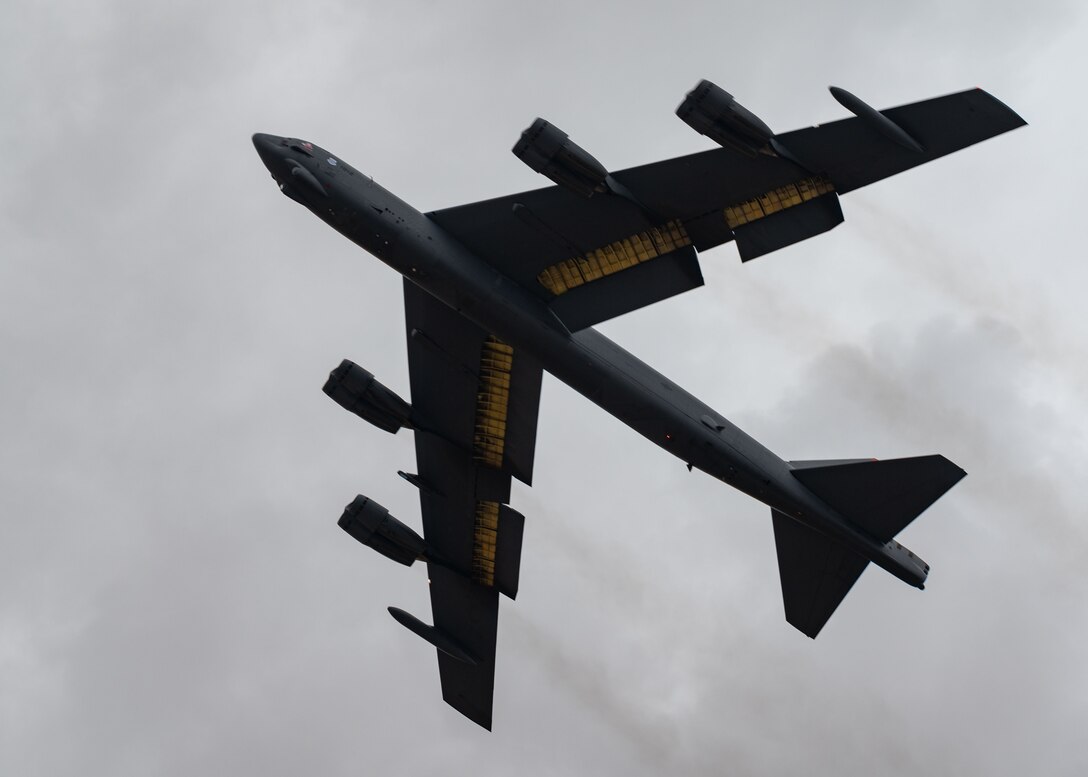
425, 252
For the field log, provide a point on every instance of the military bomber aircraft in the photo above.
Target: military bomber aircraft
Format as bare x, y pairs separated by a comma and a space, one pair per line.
496, 292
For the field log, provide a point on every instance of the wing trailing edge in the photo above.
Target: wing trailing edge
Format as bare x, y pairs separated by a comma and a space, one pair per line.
634, 287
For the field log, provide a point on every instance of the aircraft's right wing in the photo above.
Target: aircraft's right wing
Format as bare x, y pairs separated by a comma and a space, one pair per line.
597, 257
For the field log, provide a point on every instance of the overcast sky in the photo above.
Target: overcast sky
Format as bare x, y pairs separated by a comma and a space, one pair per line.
175, 596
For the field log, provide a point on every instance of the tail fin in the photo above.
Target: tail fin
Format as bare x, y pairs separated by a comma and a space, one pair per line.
880, 497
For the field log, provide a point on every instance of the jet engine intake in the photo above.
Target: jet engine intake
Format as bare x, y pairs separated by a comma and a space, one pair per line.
549, 151
355, 389
371, 524
710, 110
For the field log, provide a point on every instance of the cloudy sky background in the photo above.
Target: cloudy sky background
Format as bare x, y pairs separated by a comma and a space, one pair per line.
175, 597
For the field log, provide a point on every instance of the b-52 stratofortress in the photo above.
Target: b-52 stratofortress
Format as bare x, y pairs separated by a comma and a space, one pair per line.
496, 292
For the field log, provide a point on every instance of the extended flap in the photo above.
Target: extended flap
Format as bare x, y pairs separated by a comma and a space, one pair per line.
785, 227
508, 550
591, 295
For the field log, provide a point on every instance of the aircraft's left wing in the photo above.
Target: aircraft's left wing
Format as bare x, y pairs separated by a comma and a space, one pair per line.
591, 258
475, 403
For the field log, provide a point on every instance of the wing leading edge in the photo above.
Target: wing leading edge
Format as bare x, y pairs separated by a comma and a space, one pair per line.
476, 403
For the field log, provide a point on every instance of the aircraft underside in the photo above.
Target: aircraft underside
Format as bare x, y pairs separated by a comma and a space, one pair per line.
498, 291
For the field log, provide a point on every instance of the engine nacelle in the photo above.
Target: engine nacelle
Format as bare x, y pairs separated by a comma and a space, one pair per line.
355, 389
710, 110
371, 524
548, 150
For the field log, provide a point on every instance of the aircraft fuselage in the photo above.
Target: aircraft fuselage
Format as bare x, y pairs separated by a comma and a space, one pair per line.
648, 402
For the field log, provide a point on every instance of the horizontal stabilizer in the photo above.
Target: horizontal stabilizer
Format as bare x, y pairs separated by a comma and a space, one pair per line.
880, 497
816, 573
815, 463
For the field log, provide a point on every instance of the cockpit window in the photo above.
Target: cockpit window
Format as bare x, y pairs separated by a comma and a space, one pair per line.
302, 147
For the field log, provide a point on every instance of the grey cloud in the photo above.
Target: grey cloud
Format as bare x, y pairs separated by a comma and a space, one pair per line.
174, 595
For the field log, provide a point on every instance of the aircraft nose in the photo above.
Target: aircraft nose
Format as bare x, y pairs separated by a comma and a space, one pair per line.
267, 146
263, 140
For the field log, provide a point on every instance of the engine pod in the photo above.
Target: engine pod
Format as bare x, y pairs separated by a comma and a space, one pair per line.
356, 390
371, 524
710, 110
549, 151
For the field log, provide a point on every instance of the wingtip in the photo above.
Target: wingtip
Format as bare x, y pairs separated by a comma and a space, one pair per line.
1015, 119
480, 717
